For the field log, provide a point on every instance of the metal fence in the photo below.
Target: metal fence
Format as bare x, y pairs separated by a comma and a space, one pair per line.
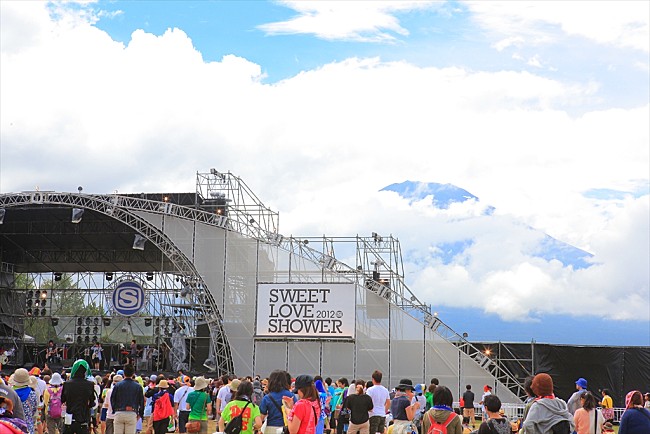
516, 411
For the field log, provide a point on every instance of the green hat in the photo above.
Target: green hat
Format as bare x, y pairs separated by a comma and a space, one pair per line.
77, 364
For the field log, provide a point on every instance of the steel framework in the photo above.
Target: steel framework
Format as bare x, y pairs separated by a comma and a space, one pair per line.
123, 209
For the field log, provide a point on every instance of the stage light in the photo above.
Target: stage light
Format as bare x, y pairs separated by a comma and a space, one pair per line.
488, 352
251, 221
305, 242
95, 330
149, 276
138, 242
147, 322
57, 276
87, 339
30, 294
87, 330
68, 338
55, 322
43, 303
29, 312
44, 294
80, 321
79, 330
80, 189
213, 171
77, 214
43, 312
29, 302
96, 321
109, 276
157, 321
2, 215
465, 335
107, 322
79, 339
87, 320
166, 199
95, 338
210, 364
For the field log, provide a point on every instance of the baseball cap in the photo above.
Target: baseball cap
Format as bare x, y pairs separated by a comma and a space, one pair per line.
303, 381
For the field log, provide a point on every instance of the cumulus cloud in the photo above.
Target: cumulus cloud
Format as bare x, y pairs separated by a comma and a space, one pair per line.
81, 109
617, 23
366, 21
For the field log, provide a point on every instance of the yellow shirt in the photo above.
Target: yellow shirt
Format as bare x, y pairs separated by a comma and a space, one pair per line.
607, 402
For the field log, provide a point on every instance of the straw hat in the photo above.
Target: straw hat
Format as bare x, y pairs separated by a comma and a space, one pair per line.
234, 384
117, 378
20, 378
200, 383
163, 384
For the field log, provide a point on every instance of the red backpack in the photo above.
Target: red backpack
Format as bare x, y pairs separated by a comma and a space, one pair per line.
437, 427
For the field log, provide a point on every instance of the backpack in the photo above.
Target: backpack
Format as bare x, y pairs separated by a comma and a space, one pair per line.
562, 427
162, 408
437, 427
55, 403
257, 396
235, 424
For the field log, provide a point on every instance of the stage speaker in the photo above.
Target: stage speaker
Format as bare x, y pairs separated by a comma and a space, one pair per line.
67, 363
116, 365
201, 346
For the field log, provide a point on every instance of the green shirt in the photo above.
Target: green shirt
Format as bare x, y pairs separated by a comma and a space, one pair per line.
234, 409
197, 400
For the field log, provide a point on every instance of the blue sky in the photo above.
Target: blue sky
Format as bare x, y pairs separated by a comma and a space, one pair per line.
540, 109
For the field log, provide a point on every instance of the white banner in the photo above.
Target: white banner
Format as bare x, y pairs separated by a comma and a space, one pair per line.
324, 310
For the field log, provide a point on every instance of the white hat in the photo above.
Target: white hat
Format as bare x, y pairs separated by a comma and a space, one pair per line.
20, 378
56, 379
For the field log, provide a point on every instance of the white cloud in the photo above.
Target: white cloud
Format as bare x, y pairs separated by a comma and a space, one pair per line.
81, 109
616, 23
367, 21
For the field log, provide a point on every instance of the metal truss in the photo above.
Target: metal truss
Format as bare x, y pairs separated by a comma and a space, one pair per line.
122, 209
229, 195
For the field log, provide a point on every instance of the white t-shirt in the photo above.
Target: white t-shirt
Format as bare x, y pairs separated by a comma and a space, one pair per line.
180, 397
109, 411
379, 395
224, 395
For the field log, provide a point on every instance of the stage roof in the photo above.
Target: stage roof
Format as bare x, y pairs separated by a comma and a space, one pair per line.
43, 238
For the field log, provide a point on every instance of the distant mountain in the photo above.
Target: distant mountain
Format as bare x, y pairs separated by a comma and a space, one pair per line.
445, 195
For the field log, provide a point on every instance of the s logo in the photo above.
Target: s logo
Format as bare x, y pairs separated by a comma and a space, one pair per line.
128, 298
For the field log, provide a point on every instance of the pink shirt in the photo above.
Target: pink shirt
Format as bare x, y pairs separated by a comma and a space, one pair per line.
584, 421
303, 411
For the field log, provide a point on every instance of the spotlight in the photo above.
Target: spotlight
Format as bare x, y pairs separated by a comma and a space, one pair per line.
149, 276
210, 364
95, 330
2, 215
87, 321
55, 322
96, 321
138, 242
80, 321
30, 294
79, 330
95, 338
109, 276
79, 339
465, 335
42, 303
87, 330
29, 312
77, 214
44, 294
147, 322
68, 338
87, 339
107, 322
29, 303
57, 276
80, 189
251, 221
305, 242
43, 312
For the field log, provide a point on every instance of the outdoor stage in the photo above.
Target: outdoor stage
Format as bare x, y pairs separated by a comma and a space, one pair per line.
206, 281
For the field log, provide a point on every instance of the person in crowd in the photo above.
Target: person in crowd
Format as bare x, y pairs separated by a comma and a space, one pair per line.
635, 419
242, 403
574, 401
303, 415
342, 417
127, 400
8, 422
54, 411
79, 397
588, 419
607, 403
647, 400
180, 404
110, 414
28, 397
380, 403
487, 391
360, 406
420, 399
496, 423
547, 411
401, 407
441, 412
163, 409
271, 406
9, 394
324, 408
225, 393
199, 404
147, 424
428, 395
468, 405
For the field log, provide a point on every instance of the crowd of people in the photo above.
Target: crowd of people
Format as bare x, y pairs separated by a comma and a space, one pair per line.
121, 402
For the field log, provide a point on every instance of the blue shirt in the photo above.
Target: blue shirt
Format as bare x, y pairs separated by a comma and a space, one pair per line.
267, 407
128, 393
